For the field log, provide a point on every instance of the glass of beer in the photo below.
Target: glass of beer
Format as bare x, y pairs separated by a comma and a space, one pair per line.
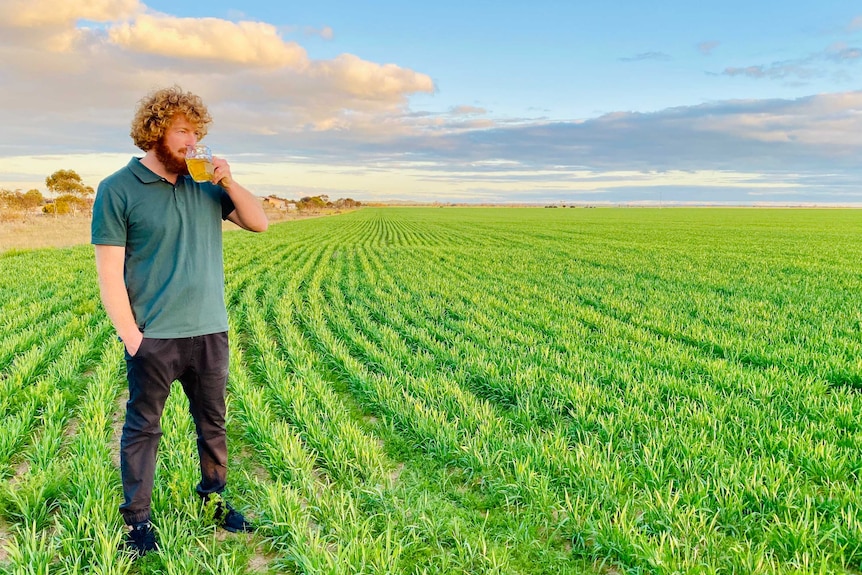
199, 159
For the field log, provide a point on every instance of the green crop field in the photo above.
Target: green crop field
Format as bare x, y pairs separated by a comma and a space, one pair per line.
488, 390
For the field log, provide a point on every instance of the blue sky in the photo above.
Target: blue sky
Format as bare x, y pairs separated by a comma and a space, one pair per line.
543, 101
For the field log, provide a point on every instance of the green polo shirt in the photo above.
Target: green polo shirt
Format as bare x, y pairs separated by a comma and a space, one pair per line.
173, 238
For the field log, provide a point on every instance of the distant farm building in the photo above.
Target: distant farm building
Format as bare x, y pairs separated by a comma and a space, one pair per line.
277, 203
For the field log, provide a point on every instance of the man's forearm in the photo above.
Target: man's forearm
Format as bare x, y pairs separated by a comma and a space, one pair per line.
248, 212
119, 310
115, 298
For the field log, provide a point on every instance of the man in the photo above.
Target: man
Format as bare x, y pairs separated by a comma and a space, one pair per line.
158, 242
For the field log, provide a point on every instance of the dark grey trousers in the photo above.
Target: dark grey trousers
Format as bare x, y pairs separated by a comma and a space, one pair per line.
201, 365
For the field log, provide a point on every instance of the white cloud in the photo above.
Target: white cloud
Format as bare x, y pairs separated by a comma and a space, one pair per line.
79, 66
247, 43
369, 80
39, 13
824, 124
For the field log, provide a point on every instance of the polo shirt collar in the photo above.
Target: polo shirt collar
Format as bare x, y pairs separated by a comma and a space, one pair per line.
143, 173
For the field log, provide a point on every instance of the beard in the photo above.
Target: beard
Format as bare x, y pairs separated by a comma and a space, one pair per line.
173, 163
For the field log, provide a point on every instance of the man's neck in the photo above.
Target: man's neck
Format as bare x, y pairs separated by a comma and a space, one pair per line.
157, 167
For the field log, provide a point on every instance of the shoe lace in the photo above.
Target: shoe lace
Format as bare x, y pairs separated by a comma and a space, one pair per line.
143, 533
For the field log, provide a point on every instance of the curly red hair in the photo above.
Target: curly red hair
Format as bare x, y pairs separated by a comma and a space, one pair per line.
158, 109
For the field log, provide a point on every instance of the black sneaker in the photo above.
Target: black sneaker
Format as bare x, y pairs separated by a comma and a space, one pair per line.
141, 539
230, 519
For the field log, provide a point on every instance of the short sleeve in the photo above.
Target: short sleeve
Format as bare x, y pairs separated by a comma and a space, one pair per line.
226, 205
109, 225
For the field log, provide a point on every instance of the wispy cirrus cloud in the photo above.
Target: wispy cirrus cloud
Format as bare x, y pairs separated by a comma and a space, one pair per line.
468, 111
799, 69
326, 32
805, 68
843, 54
706, 48
646, 56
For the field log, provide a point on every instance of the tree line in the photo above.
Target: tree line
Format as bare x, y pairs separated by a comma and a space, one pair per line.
311, 204
322, 201
72, 196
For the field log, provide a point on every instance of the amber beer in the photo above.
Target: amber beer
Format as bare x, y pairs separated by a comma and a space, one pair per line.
199, 159
200, 169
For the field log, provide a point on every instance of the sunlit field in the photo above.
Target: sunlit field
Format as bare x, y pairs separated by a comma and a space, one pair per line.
469, 390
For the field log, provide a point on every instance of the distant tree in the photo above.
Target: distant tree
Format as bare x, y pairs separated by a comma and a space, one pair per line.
311, 203
67, 204
56, 207
73, 196
68, 183
33, 199
18, 202
346, 203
